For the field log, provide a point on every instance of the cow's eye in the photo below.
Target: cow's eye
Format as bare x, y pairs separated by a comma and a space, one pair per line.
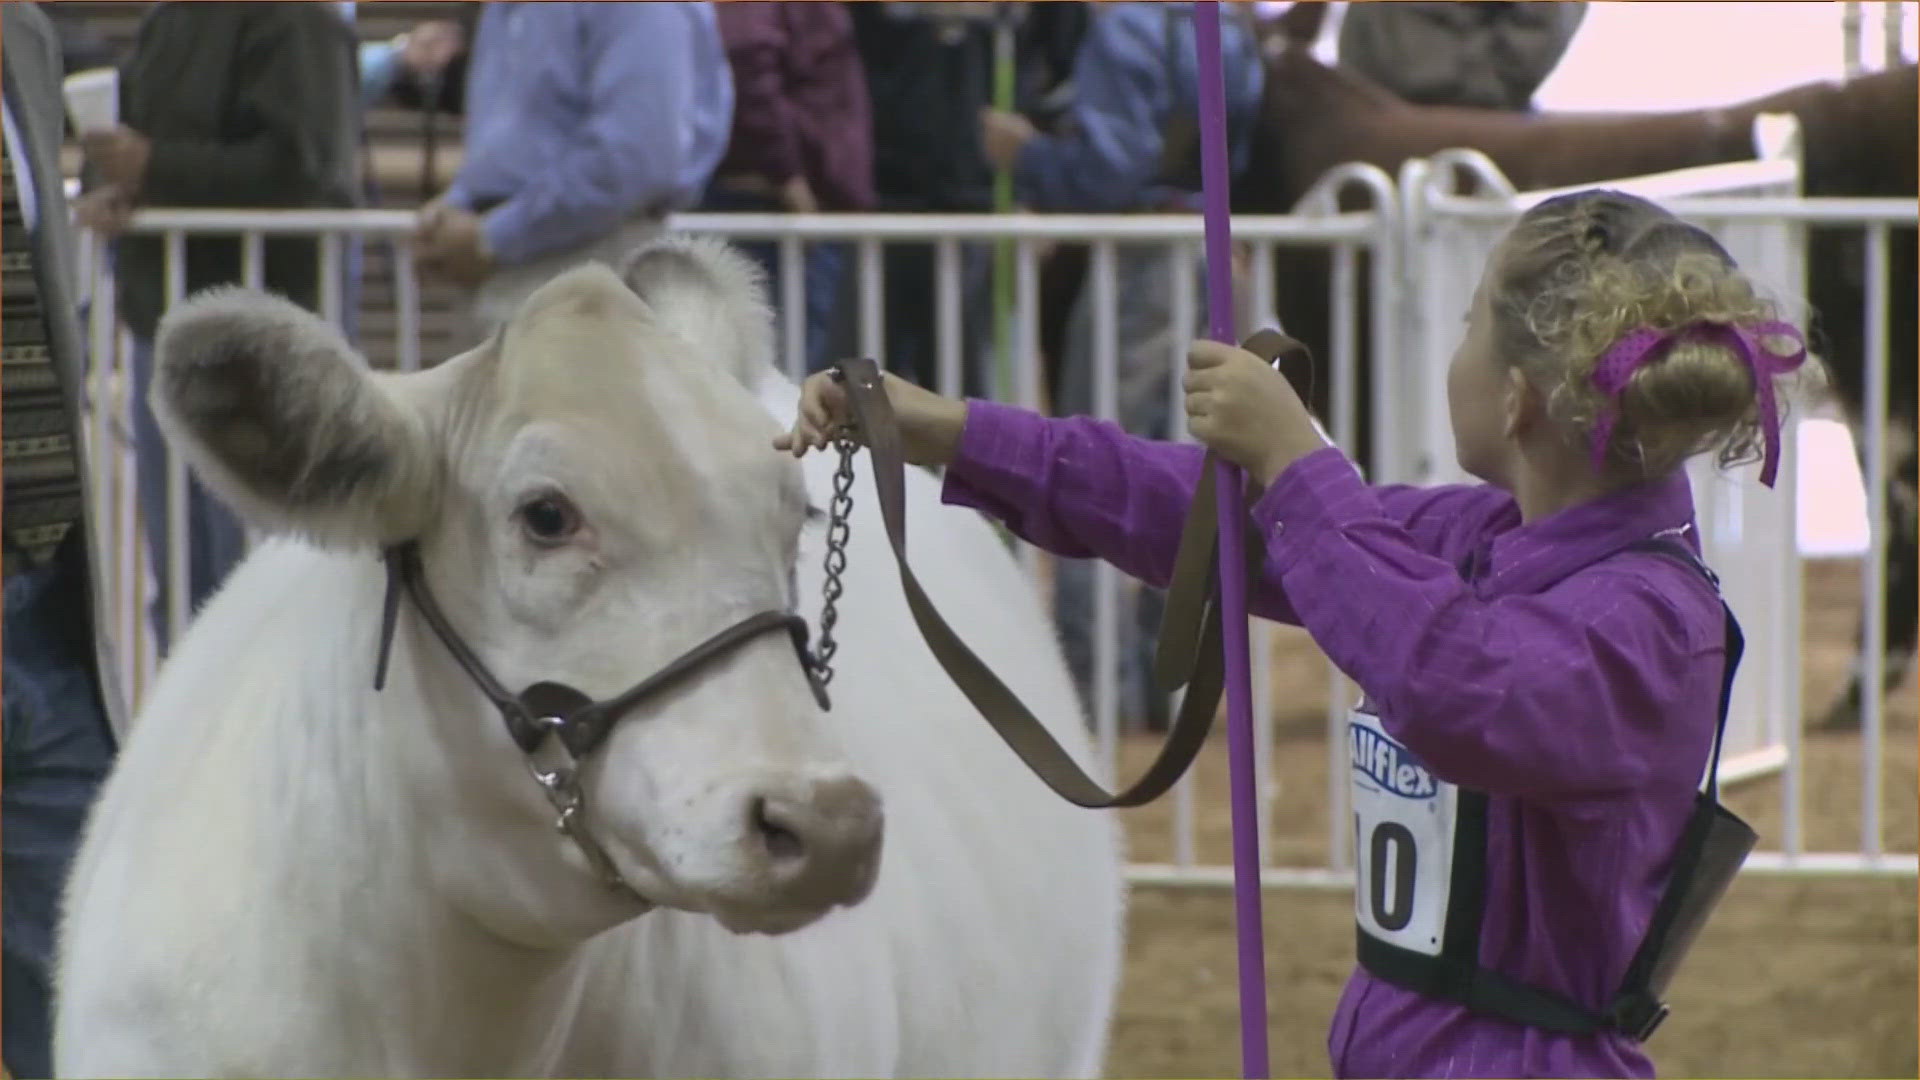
548, 519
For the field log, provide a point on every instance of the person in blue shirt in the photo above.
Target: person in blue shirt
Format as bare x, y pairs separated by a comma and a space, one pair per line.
586, 124
1134, 112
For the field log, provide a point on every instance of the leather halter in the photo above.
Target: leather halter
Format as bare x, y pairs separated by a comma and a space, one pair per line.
578, 722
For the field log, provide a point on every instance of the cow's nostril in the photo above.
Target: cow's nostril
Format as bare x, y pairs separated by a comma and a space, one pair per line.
782, 841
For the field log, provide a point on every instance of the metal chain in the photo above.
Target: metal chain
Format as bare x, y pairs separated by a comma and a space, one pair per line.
838, 530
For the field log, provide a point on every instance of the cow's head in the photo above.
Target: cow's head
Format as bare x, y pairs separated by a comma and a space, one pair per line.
593, 492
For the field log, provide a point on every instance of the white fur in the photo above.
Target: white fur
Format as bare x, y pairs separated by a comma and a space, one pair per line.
288, 874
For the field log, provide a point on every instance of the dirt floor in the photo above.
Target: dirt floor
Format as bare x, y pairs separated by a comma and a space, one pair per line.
1796, 977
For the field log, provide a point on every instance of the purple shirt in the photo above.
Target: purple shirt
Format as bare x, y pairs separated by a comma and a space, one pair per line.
1576, 684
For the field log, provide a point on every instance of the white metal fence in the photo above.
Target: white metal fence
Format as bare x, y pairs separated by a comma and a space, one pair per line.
1412, 231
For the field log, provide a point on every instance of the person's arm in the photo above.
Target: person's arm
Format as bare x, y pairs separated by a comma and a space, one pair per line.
1555, 695
1112, 148
1083, 488
756, 38
636, 65
380, 70
294, 77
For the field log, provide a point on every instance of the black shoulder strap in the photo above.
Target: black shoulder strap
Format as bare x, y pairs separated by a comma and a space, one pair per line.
1695, 885
1736, 645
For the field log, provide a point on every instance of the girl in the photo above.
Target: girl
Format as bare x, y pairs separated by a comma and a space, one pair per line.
1541, 655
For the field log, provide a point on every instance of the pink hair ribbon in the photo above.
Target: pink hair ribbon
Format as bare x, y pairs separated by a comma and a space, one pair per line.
1645, 345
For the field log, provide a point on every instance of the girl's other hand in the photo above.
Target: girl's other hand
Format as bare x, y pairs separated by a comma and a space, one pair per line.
1244, 410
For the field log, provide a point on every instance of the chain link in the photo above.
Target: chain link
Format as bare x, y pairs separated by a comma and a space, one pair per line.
561, 784
838, 530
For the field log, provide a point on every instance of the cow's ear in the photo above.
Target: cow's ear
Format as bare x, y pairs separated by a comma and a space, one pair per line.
706, 290
288, 424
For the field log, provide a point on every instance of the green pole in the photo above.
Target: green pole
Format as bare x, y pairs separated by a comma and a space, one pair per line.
1003, 100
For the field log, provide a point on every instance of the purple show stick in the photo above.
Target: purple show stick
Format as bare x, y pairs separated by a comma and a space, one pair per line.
1233, 584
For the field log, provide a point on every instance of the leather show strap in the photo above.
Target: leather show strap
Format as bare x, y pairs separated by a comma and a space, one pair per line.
1189, 652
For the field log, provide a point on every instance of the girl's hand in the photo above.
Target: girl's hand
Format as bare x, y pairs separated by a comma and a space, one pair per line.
930, 425
1246, 411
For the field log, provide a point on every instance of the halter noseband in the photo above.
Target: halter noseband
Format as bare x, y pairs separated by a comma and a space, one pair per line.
578, 723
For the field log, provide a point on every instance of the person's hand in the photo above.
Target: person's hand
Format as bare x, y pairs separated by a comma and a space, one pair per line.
452, 244
1245, 410
1002, 134
119, 153
797, 196
104, 210
930, 425
428, 48
426, 220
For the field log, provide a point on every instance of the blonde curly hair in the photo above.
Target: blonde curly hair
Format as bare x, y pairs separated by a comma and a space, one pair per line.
1579, 272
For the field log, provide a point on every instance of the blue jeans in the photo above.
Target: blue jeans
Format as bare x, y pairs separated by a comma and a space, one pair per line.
1147, 337
58, 749
216, 541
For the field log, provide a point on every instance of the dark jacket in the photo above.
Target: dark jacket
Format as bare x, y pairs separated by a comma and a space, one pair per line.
930, 70
928, 77
800, 100
248, 106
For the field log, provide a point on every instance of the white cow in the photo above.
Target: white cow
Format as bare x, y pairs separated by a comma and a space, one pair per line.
291, 874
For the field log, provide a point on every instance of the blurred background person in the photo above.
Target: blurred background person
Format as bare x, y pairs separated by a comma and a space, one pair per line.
929, 70
421, 59
1127, 134
587, 123
802, 143
222, 104
1473, 54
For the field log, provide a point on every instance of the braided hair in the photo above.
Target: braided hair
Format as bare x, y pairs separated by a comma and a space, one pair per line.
1578, 272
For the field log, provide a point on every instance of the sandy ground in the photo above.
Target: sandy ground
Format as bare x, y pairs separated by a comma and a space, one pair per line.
1796, 977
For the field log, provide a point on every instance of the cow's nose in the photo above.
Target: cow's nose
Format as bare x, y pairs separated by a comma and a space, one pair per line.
818, 840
